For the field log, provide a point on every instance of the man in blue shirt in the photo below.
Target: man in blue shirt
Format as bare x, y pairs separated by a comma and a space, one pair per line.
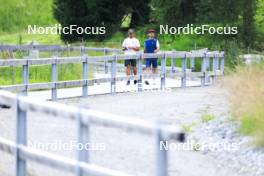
151, 45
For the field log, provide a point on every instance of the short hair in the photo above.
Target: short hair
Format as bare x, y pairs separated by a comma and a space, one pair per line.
131, 31
151, 30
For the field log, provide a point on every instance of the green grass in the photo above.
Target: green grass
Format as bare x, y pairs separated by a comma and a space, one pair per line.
38, 74
207, 117
42, 74
24, 38
246, 85
16, 15
187, 128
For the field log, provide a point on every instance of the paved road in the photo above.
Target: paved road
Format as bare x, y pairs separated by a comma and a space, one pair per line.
105, 88
112, 148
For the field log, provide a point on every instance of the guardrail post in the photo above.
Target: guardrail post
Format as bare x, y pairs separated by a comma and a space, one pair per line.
162, 158
217, 63
208, 63
139, 63
183, 77
173, 63
54, 78
25, 78
203, 70
113, 75
207, 68
192, 64
21, 138
163, 72
222, 64
215, 68
83, 139
82, 52
13, 69
85, 77
105, 62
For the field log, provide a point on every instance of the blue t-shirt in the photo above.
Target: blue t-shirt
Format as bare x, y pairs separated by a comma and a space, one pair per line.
150, 45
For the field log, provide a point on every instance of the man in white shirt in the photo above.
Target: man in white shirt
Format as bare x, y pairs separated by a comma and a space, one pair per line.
131, 46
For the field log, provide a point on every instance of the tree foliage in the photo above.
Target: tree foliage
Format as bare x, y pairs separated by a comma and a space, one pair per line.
239, 13
174, 12
248, 25
93, 13
107, 13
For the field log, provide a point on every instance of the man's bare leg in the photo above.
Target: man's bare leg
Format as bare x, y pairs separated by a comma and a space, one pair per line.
155, 70
135, 71
155, 73
135, 74
128, 74
148, 71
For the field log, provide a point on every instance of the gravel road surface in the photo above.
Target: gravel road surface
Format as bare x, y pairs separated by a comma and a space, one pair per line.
112, 148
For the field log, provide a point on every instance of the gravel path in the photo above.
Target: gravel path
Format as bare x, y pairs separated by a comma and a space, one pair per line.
115, 149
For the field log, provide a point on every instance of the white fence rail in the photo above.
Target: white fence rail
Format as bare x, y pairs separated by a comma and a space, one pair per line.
54, 48
85, 119
212, 65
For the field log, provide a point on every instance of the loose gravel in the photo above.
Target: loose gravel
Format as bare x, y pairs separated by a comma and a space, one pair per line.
135, 153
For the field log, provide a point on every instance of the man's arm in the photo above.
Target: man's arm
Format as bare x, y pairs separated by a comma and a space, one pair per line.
137, 47
157, 47
145, 51
124, 48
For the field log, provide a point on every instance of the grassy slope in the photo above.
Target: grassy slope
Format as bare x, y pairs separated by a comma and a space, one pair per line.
247, 99
17, 14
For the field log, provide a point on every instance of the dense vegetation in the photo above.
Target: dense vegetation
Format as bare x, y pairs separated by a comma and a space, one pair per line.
246, 14
174, 12
247, 99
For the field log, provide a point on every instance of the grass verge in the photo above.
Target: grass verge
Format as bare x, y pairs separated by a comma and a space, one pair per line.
246, 87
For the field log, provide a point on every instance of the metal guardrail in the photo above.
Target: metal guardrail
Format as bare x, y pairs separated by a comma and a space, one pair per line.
85, 119
212, 66
54, 48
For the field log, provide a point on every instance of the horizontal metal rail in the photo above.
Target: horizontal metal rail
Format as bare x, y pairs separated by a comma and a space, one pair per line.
90, 82
86, 118
212, 66
56, 161
53, 48
92, 59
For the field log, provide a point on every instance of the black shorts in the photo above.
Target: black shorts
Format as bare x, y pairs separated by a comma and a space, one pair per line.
131, 62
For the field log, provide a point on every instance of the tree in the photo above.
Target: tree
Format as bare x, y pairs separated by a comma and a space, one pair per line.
218, 11
140, 11
174, 12
92, 13
248, 32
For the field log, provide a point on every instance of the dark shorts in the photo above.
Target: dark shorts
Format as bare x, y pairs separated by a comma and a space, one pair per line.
131, 62
152, 61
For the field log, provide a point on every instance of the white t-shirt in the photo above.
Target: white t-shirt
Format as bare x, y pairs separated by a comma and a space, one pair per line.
130, 42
